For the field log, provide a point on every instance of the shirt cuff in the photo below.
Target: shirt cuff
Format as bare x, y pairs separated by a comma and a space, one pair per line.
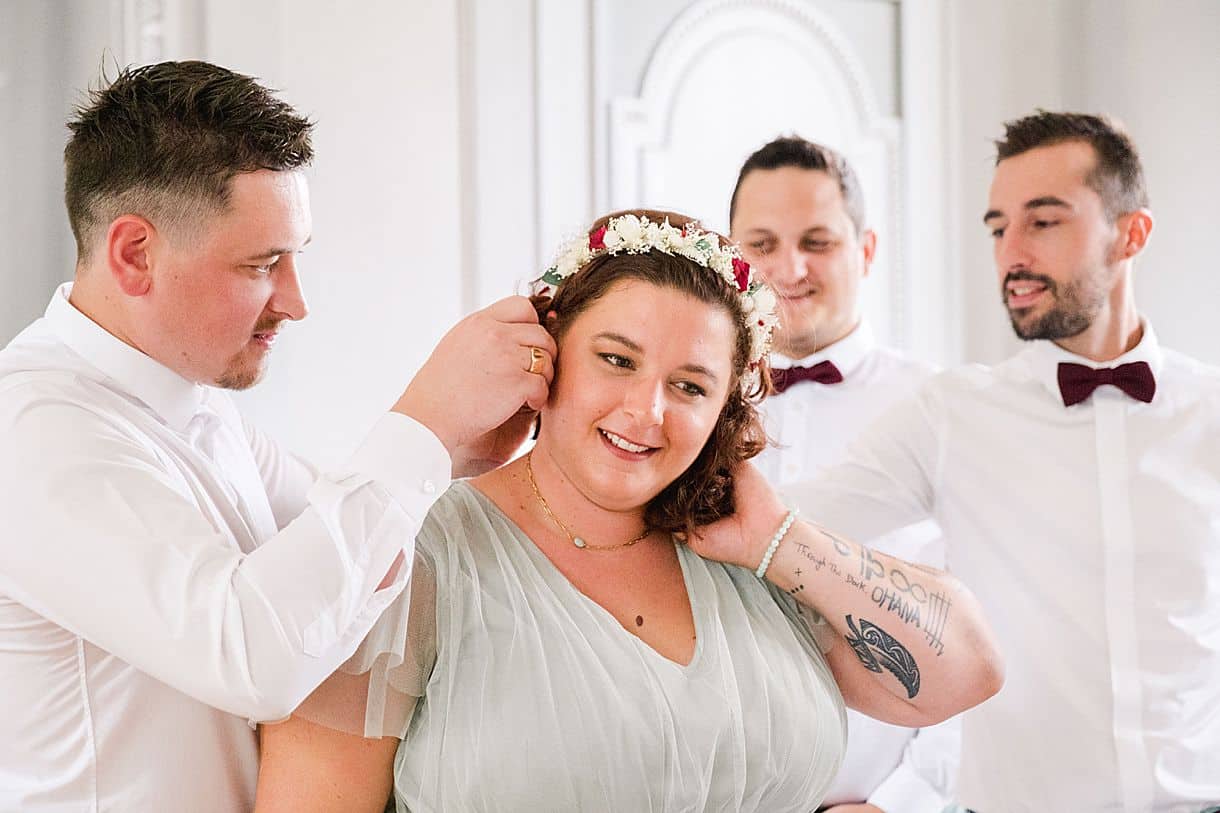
905, 791
405, 457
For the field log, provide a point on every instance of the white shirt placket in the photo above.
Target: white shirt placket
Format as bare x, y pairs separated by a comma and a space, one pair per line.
1118, 550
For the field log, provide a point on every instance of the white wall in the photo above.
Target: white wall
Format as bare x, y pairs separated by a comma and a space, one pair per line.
1157, 67
38, 87
383, 275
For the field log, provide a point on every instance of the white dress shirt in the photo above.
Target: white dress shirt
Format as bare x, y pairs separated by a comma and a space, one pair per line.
1091, 536
900, 770
167, 574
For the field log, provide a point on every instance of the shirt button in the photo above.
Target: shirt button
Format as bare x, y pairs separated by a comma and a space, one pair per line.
428, 487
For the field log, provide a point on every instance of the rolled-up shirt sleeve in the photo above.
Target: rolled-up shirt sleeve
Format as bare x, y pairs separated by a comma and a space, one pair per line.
111, 541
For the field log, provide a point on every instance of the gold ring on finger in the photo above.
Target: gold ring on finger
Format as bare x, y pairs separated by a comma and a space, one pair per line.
537, 359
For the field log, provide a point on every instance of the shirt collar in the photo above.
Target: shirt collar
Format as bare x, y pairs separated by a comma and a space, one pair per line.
168, 394
1042, 358
846, 354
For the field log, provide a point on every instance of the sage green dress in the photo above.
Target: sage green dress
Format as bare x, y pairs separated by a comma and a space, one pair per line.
512, 691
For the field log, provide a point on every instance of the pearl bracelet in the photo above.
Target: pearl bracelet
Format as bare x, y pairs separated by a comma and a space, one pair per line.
761, 572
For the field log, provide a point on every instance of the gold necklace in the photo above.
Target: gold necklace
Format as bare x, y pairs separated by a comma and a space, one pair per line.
573, 538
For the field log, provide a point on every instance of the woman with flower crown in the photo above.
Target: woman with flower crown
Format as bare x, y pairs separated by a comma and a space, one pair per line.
627, 618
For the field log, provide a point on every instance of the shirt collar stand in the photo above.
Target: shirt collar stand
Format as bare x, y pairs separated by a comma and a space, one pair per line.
1043, 357
846, 354
168, 394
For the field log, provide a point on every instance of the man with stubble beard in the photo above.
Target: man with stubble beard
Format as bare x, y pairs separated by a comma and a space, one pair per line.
1078, 488
168, 573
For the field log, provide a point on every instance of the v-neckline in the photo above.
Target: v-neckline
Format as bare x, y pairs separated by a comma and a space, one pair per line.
552, 573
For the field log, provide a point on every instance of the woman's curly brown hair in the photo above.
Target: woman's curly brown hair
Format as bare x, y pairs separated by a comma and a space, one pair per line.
704, 492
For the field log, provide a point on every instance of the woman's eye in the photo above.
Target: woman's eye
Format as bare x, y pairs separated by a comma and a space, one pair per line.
615, 360
690, 388
760, 248
818, 245
1045, 224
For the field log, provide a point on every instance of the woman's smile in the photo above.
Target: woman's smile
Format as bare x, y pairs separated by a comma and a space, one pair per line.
624, 448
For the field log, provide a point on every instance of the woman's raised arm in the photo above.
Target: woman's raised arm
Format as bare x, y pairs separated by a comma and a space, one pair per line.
911, 646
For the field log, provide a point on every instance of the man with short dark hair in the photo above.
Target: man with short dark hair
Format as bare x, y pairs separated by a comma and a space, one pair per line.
169, 576
798, 212
1078, 487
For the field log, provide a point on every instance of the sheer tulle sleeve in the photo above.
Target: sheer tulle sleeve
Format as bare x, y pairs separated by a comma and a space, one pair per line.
375, 692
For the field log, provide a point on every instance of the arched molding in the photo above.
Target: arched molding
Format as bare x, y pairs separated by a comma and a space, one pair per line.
640, 127
711, 20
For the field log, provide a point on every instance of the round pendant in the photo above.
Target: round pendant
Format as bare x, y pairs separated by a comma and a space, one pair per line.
578, 542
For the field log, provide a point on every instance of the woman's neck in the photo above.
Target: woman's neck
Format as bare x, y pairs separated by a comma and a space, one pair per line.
557, 502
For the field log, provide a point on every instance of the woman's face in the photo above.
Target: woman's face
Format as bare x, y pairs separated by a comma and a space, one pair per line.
641, 378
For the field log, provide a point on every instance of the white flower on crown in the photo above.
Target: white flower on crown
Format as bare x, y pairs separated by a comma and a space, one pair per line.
765, 310
631, 230
633, 234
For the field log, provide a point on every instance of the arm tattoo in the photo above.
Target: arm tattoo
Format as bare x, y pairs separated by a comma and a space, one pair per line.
876, 648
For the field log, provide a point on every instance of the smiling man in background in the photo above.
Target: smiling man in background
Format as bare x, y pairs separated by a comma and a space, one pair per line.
798, 212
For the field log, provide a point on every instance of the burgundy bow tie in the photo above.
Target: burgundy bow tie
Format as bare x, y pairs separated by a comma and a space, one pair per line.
1077, 382
824, 372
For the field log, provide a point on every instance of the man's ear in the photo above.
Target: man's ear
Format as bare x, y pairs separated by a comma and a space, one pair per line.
129, 243
868, 245
1134, 230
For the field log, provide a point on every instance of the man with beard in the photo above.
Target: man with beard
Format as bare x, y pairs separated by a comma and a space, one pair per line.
167, 574
1078, 488
798, 211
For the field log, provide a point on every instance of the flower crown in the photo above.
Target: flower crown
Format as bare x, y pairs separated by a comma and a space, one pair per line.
632, 234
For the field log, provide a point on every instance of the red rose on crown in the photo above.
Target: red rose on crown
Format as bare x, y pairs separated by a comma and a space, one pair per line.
741, 273
597, 239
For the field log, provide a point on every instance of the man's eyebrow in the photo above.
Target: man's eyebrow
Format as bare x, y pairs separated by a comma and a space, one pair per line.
763, 230
278, 252
1047, 200
1036, 203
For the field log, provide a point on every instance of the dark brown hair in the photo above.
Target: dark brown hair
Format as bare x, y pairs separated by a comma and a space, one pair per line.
704, 492
1118, 177
793, 151
163, 141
